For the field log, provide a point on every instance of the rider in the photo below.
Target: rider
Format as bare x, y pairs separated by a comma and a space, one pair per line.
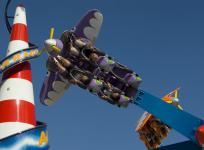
87, 81
75, 45
82, 43
114, 96
68, 39
82, 81
58, 63
103, 90
104, 62
94, 85
107, 64
93, 57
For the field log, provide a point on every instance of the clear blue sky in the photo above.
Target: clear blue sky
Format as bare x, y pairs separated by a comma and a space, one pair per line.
163, 41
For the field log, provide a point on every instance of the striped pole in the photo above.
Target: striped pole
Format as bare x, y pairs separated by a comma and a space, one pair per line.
17, 108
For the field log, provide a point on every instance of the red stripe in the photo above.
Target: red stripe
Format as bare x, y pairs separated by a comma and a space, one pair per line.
19, 32
17, 111
22, 70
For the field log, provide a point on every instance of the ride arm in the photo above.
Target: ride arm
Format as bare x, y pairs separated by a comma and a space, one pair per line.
183, 122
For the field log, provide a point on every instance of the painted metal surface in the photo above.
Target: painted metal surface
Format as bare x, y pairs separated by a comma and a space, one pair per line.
168, 99
17, 108
149, 126
33, 139
89, 25
200, 135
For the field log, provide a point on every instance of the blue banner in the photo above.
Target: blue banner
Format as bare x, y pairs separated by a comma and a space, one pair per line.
33, 139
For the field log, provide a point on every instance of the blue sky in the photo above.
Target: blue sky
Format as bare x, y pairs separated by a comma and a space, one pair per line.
163, 41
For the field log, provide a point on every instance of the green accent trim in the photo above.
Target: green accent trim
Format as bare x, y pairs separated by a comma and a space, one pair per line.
99, 82
110, 61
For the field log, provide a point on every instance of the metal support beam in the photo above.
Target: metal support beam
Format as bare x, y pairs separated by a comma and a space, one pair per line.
183, 122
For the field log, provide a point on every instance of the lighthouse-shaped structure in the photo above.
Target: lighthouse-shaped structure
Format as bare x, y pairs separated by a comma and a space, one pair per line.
17, 107
19, 129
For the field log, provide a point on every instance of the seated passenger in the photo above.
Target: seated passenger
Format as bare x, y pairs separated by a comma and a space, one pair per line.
80, 78
68, 39
159, 127
51, 65
83, 81
107, 64
115, 82
91, 53
153, 139
74, 51
86, 65
59, 64
65, 62
93, 57
114, 96
87, 81
82, 42
106, 93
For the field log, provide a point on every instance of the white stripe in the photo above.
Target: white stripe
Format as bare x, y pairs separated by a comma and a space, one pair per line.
15, 88
10, 128
15, 46
20, 16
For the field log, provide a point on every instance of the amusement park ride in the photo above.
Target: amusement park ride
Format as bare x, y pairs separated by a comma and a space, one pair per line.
74, 60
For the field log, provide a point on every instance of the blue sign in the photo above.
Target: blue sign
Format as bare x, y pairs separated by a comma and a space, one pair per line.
33, 139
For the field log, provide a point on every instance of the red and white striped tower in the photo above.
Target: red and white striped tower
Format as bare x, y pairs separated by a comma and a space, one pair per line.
17, 108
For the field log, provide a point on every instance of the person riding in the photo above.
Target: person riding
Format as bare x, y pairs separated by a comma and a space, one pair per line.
94, 85
114, 96
93, 57
96, 57
83, 43
68, 39
75, 46
59, 64
106, 92
107, 64
87, 81
103, 90
82, 81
